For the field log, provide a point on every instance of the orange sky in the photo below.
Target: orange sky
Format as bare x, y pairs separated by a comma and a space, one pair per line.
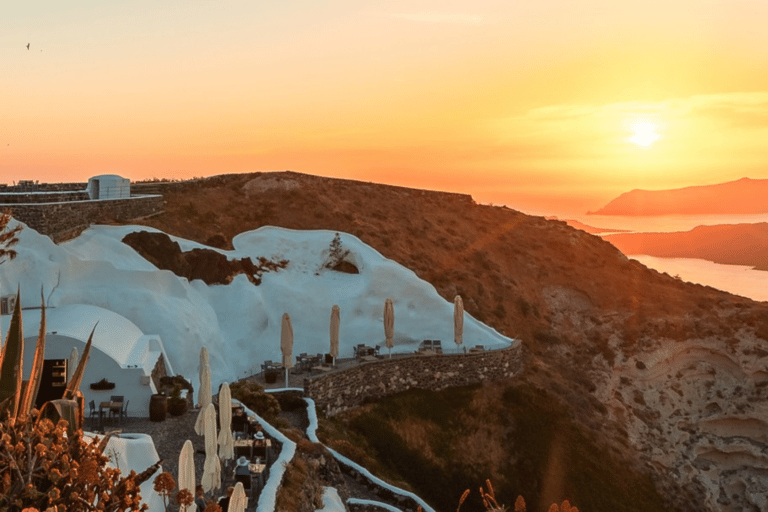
520, 104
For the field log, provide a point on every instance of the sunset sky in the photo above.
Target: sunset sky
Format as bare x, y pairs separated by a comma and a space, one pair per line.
543, 106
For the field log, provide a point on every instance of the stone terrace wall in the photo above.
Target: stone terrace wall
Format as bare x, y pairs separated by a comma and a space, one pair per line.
337, 392
42, 187
65, 220
43, 197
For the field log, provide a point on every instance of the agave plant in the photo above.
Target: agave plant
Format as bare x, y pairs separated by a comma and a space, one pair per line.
16, 399
42, 465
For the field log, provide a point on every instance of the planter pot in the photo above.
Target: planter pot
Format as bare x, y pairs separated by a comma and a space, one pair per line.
177, 407
157, 407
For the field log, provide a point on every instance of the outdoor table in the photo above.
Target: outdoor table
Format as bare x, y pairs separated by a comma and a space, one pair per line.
261, 447
364, 350
257, 473
110, 407
242, 444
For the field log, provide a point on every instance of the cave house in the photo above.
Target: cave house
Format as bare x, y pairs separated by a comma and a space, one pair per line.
130, 361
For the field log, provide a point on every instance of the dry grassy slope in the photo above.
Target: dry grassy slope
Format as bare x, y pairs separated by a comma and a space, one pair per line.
586, 312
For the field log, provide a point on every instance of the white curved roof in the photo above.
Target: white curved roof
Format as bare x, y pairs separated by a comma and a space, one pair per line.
115, 335
103, 176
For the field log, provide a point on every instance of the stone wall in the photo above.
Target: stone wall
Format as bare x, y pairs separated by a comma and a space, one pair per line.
29, 186
339, 391
42, 197
64, 220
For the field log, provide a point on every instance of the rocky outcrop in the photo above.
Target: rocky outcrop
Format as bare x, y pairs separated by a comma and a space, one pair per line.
208, 265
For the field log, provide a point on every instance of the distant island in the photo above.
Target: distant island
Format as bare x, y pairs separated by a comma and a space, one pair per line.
744, 196
731, 244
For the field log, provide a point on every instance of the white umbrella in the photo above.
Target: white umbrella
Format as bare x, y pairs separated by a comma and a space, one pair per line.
335, 321
458, 321
74, 358
204, 395
187, 471
226, 442
238, 500
389, 325
286, 344
212, 469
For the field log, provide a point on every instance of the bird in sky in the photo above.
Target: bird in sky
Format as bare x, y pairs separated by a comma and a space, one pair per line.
27, 46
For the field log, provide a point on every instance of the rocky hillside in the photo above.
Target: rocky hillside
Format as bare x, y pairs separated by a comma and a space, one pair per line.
671, 376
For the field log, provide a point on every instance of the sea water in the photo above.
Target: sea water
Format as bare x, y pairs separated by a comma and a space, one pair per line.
736, 279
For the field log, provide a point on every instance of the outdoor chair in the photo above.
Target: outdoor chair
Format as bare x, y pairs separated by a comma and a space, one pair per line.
125, 408
93, 411
115, 413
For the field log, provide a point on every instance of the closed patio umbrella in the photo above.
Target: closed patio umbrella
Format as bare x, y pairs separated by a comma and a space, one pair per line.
335, 321
458, 321
74, 358
389, 325
212, 469
238, 500
204, 395
286, 344
187, 471
226, 442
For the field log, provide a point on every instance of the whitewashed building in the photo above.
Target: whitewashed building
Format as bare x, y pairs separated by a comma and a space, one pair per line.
120, 354
109, 186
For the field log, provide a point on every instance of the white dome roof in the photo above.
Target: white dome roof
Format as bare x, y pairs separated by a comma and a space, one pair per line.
115, 335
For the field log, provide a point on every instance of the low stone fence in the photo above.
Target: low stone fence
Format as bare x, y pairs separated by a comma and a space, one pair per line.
64, 220
42, 197
340, 391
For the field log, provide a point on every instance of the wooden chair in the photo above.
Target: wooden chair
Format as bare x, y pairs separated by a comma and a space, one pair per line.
115, 412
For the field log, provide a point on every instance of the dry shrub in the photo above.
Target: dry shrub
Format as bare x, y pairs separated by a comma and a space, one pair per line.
310, 448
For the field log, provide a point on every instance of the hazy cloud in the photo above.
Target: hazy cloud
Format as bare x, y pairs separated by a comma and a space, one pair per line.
440, 18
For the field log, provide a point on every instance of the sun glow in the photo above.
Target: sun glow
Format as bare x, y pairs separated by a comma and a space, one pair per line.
645, 133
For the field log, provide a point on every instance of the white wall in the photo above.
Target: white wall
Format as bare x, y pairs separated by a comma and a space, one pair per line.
128, 381
110, 186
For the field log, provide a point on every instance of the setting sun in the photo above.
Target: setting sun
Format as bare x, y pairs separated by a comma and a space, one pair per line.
645, 133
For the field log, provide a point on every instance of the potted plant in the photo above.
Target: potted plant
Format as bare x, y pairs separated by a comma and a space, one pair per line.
103, 384
176, 404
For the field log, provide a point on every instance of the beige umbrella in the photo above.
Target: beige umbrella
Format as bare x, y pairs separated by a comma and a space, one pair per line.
204, 395
335, 321
212, 469
74, 358
226, 442
238, 500
286, 344
458, 321
389, 325
187, 471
